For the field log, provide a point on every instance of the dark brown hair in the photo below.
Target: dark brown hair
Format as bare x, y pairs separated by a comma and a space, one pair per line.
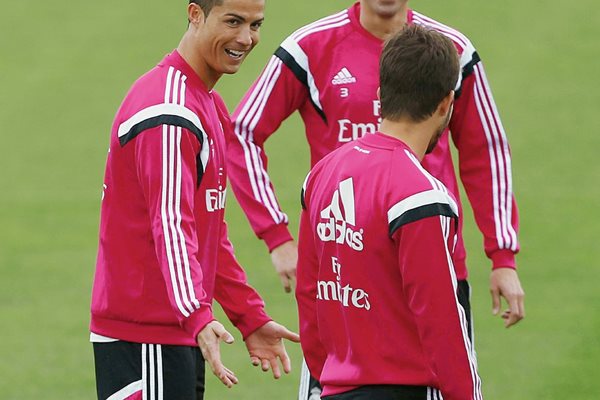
418, 69
207, 5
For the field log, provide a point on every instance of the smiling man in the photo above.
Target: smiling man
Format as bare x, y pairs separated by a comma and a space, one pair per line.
164, 254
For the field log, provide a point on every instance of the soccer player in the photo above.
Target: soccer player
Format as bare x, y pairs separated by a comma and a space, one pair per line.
378, 299
163, 252
328, 71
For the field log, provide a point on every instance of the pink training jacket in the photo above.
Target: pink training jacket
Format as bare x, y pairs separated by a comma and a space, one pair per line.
163, 252
377, 288
329, 72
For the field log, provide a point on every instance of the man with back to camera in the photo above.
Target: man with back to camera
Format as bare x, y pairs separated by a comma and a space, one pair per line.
164, 253
380, 315
328, 71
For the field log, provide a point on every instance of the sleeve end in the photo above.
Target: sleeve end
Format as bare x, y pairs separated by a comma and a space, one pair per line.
276, 236
503, 259
252, 321
198, 320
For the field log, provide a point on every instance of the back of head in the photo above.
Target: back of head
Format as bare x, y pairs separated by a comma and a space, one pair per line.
419, 67
207, 5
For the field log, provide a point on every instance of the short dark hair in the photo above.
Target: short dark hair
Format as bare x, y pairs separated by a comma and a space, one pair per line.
207, 5
418, 69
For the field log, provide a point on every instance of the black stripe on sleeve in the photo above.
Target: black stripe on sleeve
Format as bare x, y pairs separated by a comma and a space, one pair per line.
300, 73
171, 120
468, 70
425, 211
164, 119
302, 199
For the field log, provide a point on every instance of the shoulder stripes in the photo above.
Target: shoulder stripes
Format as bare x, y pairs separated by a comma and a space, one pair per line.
329, 22
454, 35
432, 202
468, 55
303, 192
292, 55
421, 205
160, 114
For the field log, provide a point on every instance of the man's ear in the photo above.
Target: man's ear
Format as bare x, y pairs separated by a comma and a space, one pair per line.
379, 93
195, 14
446, 104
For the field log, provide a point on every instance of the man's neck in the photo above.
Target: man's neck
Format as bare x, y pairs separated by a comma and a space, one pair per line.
415, 135
382, 26
191, 55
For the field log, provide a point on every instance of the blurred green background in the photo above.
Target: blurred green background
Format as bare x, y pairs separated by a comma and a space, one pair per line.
66, 65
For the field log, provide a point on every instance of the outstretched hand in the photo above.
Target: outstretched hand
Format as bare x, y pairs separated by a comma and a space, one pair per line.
265, 346
284, 259
209, 340
504, 282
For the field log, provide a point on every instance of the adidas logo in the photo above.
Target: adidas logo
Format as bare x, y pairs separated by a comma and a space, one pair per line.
339, 218
343, 77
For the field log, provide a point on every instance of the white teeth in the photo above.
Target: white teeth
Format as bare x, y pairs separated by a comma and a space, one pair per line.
234, 53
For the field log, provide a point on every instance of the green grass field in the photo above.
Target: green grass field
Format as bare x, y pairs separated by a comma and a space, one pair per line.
64, 68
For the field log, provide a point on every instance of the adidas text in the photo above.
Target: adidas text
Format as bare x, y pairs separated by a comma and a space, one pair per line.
340, 232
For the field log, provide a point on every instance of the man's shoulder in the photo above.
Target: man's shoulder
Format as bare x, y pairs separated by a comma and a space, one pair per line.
316, 34
461, 41
148, 89
408, 176
413, 189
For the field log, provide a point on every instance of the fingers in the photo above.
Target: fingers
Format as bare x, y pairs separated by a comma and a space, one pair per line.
285, 361
222, 333
225, 375
264, 364
275, 368
289, 335
495, 300
505, 282
516, 311
208, 341
273, 365
287, 278
285, 282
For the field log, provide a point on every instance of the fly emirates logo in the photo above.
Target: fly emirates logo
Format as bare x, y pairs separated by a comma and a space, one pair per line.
350, 130
346, 295
339, 219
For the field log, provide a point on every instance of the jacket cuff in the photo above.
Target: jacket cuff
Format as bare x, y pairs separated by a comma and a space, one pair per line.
198, 320
253, 319
503, 259
276, 236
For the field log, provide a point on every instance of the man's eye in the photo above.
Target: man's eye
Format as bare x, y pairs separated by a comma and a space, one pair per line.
256, 26
233, 22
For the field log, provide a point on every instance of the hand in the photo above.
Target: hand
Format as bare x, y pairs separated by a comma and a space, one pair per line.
505, 282
265, 345
208, 341
284, 258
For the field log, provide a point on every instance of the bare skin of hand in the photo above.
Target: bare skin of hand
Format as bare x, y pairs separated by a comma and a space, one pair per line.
284, 258
209, 340
265, 346
504, 282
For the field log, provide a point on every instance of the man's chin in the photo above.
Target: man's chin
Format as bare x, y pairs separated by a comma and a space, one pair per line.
230, 69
